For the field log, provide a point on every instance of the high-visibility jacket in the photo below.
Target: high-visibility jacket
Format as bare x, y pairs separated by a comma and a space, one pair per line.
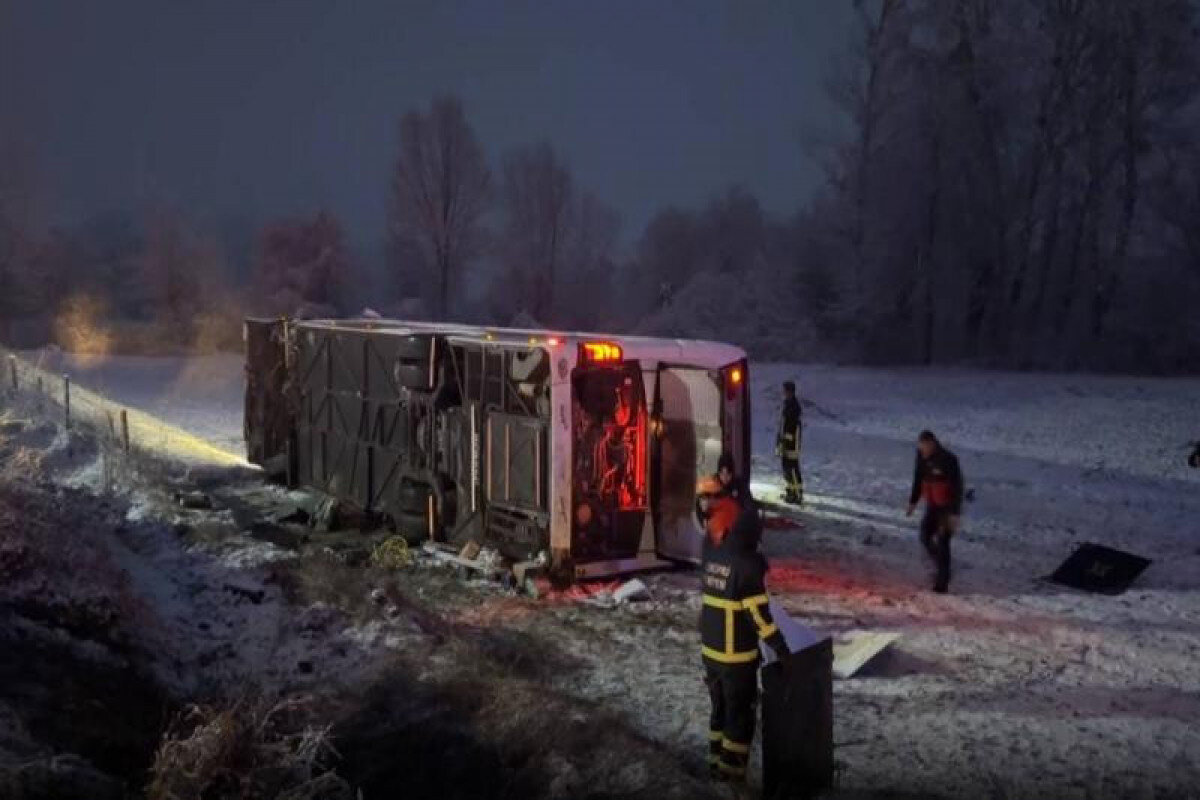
734, 615
787, 441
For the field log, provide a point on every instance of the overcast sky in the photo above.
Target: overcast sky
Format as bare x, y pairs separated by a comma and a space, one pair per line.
267, 107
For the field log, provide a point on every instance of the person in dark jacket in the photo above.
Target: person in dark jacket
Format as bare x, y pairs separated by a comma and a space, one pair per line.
937, 480
734, 618
1194, 458
787, 445
731, 484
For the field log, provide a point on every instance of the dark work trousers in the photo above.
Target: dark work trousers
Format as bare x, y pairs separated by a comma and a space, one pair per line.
793, 482
733, 690
935, 536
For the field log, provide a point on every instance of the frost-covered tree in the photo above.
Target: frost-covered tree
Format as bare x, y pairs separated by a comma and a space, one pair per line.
555, 245
300, 265
440, 192
991, 198
538, 198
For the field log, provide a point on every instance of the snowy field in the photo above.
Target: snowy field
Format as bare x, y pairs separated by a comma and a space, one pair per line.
202, 395
1008, 687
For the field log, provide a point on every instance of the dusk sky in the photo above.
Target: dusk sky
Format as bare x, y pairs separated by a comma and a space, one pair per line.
264, 107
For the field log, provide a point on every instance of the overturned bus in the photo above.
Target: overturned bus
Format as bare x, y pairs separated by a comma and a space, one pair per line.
585, 448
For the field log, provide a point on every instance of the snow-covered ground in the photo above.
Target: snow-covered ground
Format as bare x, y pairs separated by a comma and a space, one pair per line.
1011, 686
1008, 687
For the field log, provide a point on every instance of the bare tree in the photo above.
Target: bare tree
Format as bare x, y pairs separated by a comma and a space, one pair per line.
668, 253
590, 282
440, 191
179, 267
300, 264
20, 232
538, 206
991, 196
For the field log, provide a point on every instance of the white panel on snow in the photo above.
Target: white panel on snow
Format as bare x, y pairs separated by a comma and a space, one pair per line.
854, 649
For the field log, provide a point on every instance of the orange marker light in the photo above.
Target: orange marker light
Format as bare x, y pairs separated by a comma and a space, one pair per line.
601, 352
735, 377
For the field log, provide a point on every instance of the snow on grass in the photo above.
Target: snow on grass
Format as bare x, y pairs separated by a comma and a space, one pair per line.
1009, 687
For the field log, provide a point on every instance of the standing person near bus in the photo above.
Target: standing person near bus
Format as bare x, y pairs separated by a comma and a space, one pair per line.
787, 445
734, 618
937, 479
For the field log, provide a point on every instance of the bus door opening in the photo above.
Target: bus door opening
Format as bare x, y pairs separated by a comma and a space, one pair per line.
609, 489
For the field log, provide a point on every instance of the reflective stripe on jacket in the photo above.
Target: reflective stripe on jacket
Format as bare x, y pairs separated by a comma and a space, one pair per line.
734, 615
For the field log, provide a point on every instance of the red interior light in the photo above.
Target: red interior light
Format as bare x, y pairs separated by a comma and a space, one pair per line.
553, 341
601, 352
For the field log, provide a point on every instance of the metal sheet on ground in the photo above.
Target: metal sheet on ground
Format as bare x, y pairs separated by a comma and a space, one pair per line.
855, 649
1096, 568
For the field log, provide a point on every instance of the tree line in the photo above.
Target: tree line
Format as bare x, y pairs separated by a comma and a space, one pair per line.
1012, 183
1019, 183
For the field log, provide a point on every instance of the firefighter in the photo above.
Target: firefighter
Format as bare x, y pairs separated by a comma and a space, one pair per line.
734, 618
787, 445
938, 480
1194, 458
716, 509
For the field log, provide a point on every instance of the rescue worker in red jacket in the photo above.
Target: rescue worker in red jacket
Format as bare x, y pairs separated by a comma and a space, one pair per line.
938, 480
734, 618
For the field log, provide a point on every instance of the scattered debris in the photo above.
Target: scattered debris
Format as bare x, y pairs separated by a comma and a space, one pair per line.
392, 553
297, 517
595, 593
525, 574
253, 595
194, 501
488, 563
632, 591
278, 535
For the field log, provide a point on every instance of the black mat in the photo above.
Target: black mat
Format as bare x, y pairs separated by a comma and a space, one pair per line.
1096, 568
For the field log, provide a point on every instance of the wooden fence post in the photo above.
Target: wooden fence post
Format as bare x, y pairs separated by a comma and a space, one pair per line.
12, 367
67, 399
125, 429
